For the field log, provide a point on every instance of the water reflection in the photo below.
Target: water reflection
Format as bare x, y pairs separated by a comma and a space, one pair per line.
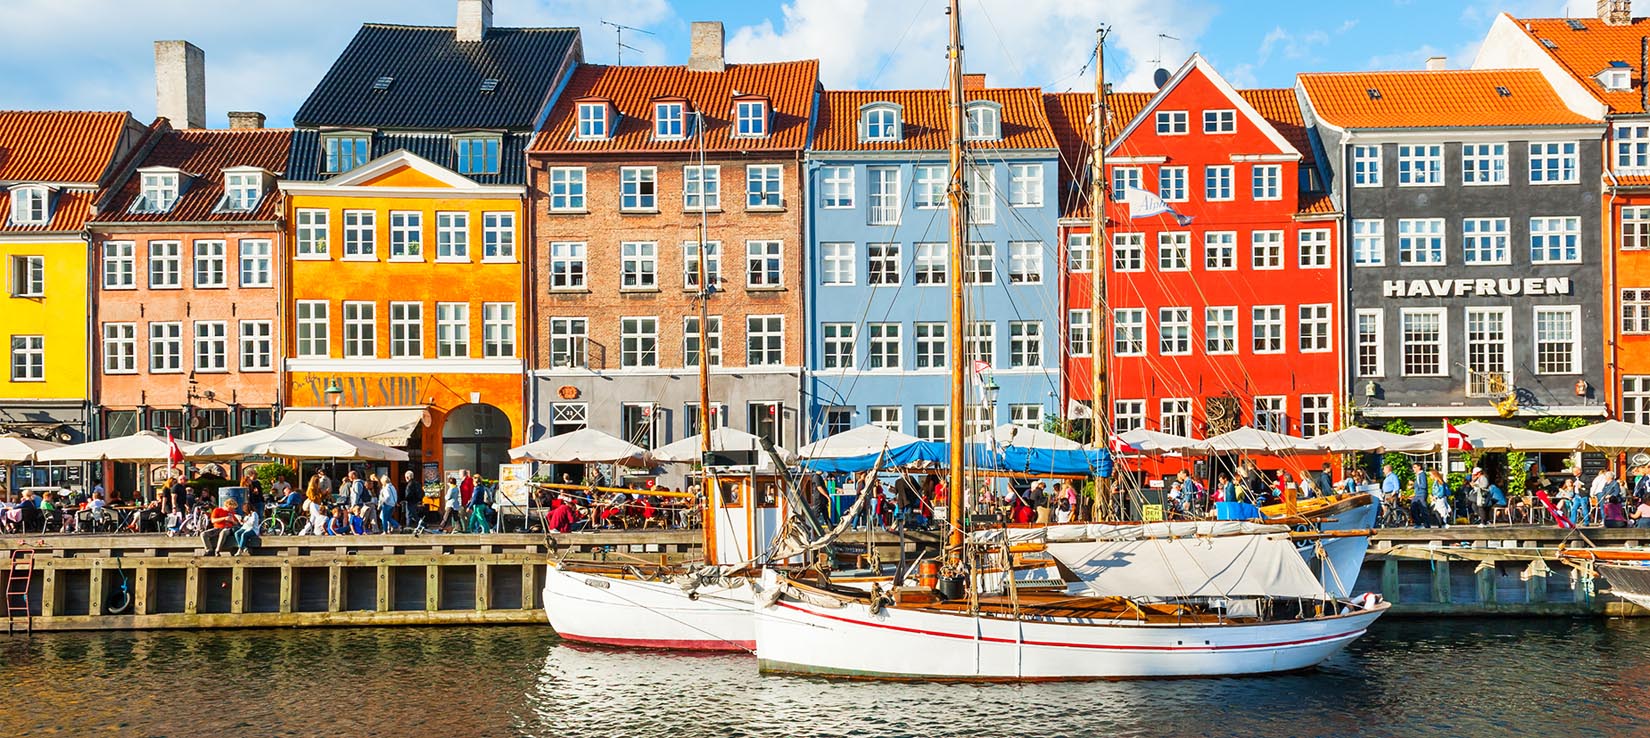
1407, 678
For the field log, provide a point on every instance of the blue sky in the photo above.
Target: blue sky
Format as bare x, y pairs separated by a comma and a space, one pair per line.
266, 54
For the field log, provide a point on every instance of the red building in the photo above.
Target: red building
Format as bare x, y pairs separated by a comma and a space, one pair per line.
1228, 314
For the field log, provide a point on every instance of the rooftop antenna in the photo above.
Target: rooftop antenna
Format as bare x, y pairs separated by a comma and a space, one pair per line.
1159, 60
619, 30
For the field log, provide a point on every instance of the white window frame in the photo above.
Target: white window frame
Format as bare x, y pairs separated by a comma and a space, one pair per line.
255, 263
1266, 250
1565, 228
879, 124
764, 187
1123, 179
452, 330
1373, 339
635, 335
1219, 251
498, 330
932, 341
1483, 164
638, 266
1173, 123
764, 265
750, 119
1128, 415
1129, 332
592, 120
1025, 344
1573, 313
883, 264
886, 417
256, 344
1217, 182
1128, 252
569, 266
1080, 253
166, 347
836, 264
211, 344
452, 235
406, 235
312, 319
1422, 242
931, 264
1268, 334
884, 347
836, 191
1174, 331
1080, 332
314, 239
932, 181
1316, 334
567, 189
702, 188
1313, 247
1172, 183
120, 348
1220, 330
406, 320
498, 236
882, 206
980, 263
360, 321
119, 265
1219, 121
1442, 342
210, 264
1420, 165
30, 205
1366, 165
1025, 262
167, 277
638, 189
1634, 312
837, 346
1025, 185
1368, 242
360, 235
1555, 162
28, 358
670, 121
28, 276
690, 264
690, 340
1174, 416
1266, 182
982, 121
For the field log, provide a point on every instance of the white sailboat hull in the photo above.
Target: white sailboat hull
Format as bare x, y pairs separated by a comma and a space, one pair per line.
614, 611
1343, 557
794, 636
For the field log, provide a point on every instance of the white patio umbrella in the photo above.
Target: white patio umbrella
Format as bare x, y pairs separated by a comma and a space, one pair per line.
1492, 437
1019, 436
142, 447
298, 441
583, 446
687, 451
1369, 440
16, 449
1248, 440
859, 441
1157, 442
1610, 436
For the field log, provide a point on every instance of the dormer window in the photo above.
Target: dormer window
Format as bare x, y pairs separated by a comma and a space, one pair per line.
983, 122
750, 118
159, 192
29, 206
880, 123
593, 120
243, 189
1617, 78
670, 121
345, 151
477, 153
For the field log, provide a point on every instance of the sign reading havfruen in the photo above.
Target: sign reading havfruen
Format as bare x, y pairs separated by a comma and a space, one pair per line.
1526, 286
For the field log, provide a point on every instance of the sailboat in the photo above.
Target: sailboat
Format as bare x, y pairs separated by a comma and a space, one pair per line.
1154, 600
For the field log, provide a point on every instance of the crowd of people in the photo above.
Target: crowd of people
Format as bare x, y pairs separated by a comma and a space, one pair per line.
1429, 500
597, 508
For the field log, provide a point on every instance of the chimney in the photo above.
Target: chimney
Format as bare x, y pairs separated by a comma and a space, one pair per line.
245, 120
973, 81
475, 18
1437, 63
180, 84
1616, 12
706, 48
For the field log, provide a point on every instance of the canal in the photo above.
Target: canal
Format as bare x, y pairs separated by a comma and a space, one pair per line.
1556, 676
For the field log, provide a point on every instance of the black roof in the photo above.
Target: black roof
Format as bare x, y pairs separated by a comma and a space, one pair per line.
303, 163
423, 78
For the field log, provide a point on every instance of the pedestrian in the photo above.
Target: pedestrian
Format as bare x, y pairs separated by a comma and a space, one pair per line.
1228, 489
388, 498
1420, 515
1325, 481
1478, 494
1443, 507
452, 509
467, 487
1390, 490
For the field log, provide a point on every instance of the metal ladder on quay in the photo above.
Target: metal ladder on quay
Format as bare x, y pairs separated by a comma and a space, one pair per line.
19, 576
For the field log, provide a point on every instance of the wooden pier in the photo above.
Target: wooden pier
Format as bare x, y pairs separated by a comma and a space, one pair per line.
142, 582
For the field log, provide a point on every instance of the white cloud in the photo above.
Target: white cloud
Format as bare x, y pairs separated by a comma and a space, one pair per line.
874, 43
266, 56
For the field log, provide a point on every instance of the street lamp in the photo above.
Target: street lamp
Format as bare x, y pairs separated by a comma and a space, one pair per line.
335, 397
991, 390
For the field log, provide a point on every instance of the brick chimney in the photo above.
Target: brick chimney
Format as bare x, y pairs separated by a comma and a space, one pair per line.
475, 19
1616, 12
973, 81
180, 84
1437, 63
245, 120
706, 49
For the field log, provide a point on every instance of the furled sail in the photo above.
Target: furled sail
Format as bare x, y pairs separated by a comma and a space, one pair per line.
1264, 565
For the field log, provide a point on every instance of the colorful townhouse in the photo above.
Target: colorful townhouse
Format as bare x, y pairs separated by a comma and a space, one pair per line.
52, 167
879, 276
631, 163
1472, 222
1225, 309
406, 214
1596, 66
188, 279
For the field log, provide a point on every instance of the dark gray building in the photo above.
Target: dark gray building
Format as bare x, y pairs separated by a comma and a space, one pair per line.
1473, 268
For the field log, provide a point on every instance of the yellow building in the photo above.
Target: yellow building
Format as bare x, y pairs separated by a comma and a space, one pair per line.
53, 166
405, 298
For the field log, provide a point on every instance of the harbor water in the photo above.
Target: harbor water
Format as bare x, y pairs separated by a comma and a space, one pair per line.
1572, 677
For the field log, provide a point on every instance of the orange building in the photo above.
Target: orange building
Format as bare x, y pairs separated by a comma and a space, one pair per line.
405, 205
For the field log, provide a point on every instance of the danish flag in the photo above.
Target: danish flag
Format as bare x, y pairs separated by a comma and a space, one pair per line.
1120, 446
174, 453
1454, 439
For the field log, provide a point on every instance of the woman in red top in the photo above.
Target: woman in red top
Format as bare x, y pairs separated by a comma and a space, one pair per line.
224, 518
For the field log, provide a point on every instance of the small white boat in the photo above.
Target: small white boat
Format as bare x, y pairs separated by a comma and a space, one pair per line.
647, 608
1198, 603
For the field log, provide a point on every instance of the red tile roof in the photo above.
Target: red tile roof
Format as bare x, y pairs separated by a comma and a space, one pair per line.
1585, 53
789, 87
204, 154
923, 121
1437, 99
1280, 108
70, 209
55, 146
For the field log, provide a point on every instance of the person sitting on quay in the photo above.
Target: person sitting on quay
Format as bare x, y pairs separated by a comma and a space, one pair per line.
1641, 512
563, 516
225, 519
1614, 513
246, 535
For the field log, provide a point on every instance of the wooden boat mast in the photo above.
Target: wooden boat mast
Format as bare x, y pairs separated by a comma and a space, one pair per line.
958, 197
707, 516
1100, 348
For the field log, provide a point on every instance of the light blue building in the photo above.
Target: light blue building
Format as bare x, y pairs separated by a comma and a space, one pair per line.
878, 298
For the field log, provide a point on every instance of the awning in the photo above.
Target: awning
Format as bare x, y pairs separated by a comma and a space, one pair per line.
390, 426
1478, 411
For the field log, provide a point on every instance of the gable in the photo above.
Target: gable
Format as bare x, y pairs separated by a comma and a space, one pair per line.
404, 176
1194, 89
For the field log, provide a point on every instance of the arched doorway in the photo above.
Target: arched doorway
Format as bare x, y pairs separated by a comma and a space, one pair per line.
475, 437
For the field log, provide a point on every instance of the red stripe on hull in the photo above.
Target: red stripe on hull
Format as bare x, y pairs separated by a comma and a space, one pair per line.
709, 644
1098, 646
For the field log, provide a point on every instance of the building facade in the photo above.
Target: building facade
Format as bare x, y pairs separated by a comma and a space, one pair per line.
1224, 309
879, 273
1594, 65
1472, 240
405, 205
628, 167
188, 282
52, 167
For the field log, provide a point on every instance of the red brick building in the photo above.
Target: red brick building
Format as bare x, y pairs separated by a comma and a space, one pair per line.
617, 193
1227, 316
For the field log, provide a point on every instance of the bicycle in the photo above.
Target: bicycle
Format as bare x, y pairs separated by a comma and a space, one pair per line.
1395, 515
278, 521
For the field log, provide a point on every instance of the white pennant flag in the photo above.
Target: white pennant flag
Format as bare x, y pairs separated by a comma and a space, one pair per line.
1144, 204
